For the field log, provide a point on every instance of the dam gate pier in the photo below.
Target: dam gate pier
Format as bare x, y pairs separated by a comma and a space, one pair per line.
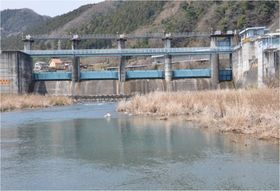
18, 75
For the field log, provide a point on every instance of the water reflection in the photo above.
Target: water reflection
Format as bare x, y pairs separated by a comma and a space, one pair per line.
122, 141
138, 152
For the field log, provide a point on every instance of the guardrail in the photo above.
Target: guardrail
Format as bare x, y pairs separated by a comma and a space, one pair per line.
116, 36
128, 52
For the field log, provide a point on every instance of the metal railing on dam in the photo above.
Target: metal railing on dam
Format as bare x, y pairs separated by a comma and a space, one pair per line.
128, 52
117, 36
225, 75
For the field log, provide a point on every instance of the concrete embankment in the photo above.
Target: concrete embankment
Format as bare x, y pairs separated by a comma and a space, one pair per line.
254, 112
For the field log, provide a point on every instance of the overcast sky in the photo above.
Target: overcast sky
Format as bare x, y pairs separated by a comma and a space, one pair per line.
46, 7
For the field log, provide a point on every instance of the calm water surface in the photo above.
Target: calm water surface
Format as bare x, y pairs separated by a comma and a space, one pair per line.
75, 147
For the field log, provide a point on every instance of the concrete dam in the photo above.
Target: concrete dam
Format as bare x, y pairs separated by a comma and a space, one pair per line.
252, 62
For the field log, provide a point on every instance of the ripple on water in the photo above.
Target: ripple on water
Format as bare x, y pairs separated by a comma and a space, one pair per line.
58, 148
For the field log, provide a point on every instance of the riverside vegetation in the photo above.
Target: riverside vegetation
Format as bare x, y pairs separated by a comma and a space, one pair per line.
12, 102
253, 111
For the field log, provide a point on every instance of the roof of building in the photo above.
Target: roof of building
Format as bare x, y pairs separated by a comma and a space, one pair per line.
56, 61
272, 34
222, 34
41, 62
251, 28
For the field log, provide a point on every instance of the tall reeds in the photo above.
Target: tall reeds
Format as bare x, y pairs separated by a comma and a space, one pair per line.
254, 111
12, 102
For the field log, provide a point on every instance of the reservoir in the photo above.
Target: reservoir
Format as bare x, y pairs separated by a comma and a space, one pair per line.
75, 147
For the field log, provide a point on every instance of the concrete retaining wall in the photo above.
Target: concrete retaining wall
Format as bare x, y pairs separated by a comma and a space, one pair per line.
15, 72
244, 77
254, 66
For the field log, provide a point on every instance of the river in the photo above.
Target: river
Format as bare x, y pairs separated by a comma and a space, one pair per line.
75, 147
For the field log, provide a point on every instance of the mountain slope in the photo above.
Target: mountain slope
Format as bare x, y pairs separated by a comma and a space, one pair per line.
155, 16
15, 21
72, 20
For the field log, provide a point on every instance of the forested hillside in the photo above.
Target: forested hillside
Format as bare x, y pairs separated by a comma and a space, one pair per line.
154, 16
14, 21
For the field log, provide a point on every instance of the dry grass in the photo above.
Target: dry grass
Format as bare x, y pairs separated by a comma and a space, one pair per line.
254, 111
12, 102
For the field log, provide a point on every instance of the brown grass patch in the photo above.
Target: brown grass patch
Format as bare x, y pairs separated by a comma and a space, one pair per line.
254, 111
12, 102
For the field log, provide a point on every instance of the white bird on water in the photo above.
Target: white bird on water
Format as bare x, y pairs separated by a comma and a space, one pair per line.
107, 115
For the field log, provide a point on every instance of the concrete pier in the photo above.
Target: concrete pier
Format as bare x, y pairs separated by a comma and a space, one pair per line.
75, 60
230, 60
271, 65
121, 68
168, 68
248, 54
215, 65
59, 45
76, 69
267, 61
214, 59
27, 43
122, 63
219, 40
260, 73
168, 59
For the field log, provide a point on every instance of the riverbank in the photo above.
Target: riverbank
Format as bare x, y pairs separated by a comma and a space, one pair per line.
13, 102
253, 111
